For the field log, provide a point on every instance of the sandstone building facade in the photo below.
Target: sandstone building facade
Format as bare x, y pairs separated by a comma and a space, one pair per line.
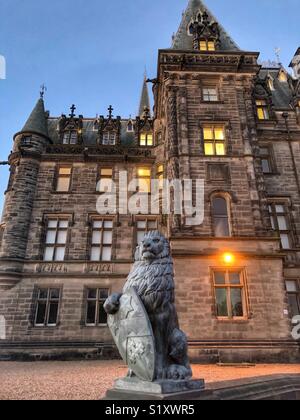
219, 116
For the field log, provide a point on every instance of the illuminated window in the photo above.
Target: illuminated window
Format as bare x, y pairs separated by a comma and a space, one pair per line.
293, 292
230, 294
70, 137
210, 94
262, 110
220, 217
266, 160
280, 223
47, 307
95, 313
146, 139
160, 176
206, 45
214, 141
105, 174
282, 77
64, 179
144, 180
143, 226
109, 138
101, 240
56, 239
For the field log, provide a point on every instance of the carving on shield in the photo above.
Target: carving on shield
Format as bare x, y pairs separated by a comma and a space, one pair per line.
133, 335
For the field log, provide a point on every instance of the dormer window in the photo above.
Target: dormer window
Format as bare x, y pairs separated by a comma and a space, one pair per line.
70, 137
207, 45
282, 77
130, 127
146, 139
109, 138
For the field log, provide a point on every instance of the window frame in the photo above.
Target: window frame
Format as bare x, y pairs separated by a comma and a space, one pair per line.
48, 302
207, 44
274, 214
263, 106
68, 134
243, 286
214, 142
269, 157
111, 135
147, 134
296, 294
148, 220
57, 229
98, 301
208, 87
228, 201
100, 245
100, 177
143, 177
63, 176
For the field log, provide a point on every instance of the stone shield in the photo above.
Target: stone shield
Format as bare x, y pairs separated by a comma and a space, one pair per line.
133, 335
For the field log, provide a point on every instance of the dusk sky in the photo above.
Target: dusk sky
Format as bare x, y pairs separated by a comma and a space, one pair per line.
93, 53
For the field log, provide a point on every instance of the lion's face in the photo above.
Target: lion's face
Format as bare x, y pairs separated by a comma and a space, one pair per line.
154, 246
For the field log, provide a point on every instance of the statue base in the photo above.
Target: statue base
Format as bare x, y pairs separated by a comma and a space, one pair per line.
136, 389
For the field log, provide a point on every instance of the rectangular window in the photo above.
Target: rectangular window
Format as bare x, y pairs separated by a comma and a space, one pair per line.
146, 139
293, 293
64, 179
280, 223
47, 307
262, 110
214, 141
144, 180
206, 45
70, 137
230, 294
161, 175
143, 226
56, 239
210, 94
101, 240
109, 138
103, 184
95, 313
266, 160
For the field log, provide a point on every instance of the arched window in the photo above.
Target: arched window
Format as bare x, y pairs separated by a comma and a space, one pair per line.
220, 217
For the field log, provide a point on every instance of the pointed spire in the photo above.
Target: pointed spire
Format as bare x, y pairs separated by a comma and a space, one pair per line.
37, 121
145, 99
183, 40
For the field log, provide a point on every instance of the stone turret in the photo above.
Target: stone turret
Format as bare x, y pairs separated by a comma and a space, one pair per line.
29, 144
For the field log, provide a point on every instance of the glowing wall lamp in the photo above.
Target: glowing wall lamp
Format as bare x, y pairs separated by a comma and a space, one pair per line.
228, 258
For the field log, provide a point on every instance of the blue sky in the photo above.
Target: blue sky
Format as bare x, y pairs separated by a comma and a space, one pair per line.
93, 52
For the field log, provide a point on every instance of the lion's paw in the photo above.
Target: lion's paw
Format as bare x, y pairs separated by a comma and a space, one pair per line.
177, 372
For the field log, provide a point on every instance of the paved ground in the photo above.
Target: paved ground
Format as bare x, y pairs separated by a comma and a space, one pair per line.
89, 380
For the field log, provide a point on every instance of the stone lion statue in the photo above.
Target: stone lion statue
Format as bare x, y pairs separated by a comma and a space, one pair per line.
152, 277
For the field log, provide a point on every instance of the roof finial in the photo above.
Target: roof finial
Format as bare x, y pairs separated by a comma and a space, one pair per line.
43, 90
110, 111
73, 109
277, 53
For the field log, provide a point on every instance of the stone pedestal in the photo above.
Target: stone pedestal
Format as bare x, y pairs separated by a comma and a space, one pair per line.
131, 389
